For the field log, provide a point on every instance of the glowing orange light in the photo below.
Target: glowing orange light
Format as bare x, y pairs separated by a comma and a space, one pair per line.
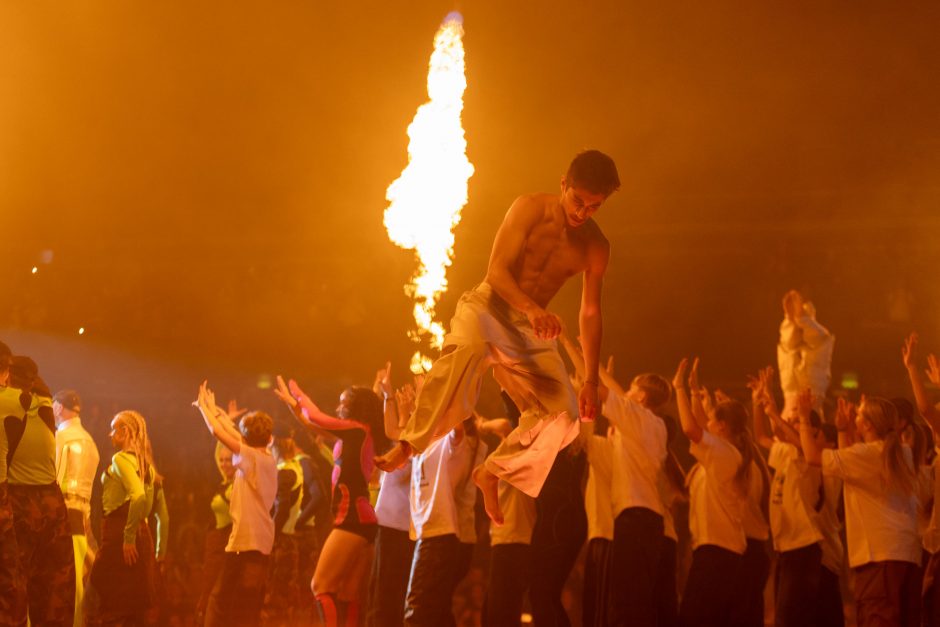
35, 269
425, 201
81, 330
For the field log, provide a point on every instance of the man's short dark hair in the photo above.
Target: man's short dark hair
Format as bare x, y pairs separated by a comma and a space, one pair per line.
594, 171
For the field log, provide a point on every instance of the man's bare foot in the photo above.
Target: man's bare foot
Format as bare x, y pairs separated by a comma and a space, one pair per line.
489, 486
395, 458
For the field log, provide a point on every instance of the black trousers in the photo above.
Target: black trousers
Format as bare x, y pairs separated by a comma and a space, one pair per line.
807, 593
749, 607
388, 585
239, 591
596, 583
665, 592
508, 582
434, 567
559, 533
712, 587
634, 567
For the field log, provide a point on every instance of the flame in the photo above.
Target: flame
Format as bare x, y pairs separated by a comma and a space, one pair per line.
425, 201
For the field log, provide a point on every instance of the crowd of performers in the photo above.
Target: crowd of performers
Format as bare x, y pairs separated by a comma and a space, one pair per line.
841, 498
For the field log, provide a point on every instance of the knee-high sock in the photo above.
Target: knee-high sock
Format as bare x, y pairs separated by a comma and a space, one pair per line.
331, 610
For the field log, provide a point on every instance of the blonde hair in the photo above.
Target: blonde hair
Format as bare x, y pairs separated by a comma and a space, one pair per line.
883, 417
137, 441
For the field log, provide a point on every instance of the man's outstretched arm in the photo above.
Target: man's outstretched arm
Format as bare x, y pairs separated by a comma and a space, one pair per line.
592, 326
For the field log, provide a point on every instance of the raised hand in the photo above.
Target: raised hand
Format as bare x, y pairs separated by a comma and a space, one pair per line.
419, 384
383, 381
678, 381
610, 365
933, 369
302, 399
845, 415
233, 411
909, 351
406, 401
694, 384
284, 394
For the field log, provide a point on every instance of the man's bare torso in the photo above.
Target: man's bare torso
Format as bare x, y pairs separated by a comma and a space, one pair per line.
552, 251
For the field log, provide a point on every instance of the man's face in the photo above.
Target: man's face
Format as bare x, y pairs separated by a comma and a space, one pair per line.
57, 410
579, 204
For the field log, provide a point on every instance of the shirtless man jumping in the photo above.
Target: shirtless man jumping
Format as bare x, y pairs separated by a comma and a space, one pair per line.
503, 323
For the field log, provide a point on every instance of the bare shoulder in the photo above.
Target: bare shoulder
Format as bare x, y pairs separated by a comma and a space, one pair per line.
531, 207
595, 240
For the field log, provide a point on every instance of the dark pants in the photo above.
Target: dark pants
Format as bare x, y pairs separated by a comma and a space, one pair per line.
389, 581
804, 590
46, 556
12, 579
212, 560
667, 596
634, 566
712, 587
931, 596
508, 582
749, 606
429, 600
830, 610
888, 593
283, 592
239, 592
560, 532
596, 583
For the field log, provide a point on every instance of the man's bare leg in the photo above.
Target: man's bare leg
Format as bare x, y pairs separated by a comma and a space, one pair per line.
395, 458
489, 486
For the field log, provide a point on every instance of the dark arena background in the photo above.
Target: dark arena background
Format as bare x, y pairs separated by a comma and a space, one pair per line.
195, 190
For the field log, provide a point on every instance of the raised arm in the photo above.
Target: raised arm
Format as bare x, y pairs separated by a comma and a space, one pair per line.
927, 409
383, 389
216, 420
698, 397
314, 415
761, 436
812, 451
690, 427
845, 423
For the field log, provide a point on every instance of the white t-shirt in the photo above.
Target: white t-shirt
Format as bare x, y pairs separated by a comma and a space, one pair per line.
434, 482
715, 505
756, 526
597, 501
793, 496
465, 495
393, 506
880, 521
253, 493
518, 509
932, 533
639, 450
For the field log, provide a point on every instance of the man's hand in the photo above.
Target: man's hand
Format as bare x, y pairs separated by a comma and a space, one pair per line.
284, 394
694, 385
587, 401
678, 381
793, 305
547, 326
130, 554
804, 404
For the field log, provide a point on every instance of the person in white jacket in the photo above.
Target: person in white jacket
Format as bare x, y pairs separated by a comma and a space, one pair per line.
804, 353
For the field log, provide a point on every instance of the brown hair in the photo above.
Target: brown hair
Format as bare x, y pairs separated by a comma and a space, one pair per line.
256, 428
593, 171
883, 417
735, 415
658, 390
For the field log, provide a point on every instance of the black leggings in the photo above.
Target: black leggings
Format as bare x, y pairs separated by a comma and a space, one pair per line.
508, 582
